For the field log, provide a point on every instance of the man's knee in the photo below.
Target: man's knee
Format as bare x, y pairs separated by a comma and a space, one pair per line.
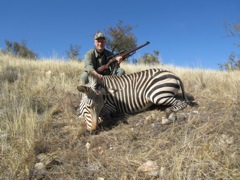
84, 78
120, 72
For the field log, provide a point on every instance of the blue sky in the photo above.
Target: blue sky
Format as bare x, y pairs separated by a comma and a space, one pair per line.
187, 33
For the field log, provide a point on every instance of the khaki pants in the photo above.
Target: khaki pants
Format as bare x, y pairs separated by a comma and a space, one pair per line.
84, 76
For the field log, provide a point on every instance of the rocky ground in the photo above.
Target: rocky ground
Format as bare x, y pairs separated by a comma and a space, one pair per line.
139, 146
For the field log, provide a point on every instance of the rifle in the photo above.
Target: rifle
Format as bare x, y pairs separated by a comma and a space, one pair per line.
124, 56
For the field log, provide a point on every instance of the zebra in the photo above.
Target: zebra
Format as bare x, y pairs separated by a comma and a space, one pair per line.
130, 94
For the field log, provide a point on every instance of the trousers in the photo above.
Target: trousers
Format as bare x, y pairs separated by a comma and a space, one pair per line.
84, 75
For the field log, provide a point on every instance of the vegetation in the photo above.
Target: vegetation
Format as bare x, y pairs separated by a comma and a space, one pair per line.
19, 50
233, 62
39, 125
74, 52
234, 30
120, 37
148, 58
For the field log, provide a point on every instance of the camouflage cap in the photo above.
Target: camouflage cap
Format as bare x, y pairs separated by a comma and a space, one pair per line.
99, 35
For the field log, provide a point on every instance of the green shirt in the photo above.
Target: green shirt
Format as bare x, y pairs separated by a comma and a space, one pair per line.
93, 59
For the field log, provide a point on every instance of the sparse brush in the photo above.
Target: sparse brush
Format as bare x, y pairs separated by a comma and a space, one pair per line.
9, 74
40, 129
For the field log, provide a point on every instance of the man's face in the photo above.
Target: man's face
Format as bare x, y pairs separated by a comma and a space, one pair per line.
100, 44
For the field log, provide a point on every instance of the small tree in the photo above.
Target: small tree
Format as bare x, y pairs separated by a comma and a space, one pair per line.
20, 50
73, 52
233, 62
149, 58
120, 37
234, 30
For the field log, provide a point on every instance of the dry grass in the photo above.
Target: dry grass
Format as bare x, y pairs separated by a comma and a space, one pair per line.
38, 116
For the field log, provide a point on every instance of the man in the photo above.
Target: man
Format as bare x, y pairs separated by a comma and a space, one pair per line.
97, 57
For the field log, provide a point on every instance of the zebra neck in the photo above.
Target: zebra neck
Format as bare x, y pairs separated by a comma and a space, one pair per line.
111, 82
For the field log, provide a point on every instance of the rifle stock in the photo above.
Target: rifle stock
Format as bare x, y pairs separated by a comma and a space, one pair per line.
124, 56
105, 66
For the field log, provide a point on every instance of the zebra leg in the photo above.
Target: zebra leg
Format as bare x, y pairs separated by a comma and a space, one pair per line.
169, 117
177, 106
171, 111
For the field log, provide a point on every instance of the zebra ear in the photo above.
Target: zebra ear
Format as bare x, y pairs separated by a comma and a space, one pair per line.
83, 89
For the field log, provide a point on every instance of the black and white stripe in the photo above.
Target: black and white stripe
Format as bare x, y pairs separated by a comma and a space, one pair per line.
137, 92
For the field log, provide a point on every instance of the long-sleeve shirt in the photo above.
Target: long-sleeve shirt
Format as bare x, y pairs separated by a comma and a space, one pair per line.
94, 59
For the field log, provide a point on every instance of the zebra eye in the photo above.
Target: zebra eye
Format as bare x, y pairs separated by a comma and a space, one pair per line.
90, 104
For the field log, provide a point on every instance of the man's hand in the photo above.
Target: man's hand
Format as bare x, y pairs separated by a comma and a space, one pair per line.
99, 76
119, 59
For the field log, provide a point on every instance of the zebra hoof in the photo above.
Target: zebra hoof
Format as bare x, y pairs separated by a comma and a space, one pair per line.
165, 121
172, 118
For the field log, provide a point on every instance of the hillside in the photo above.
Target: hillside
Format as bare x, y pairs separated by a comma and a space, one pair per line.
42, 137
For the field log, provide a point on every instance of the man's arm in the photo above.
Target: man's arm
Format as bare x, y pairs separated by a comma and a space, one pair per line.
88, 62
89, 65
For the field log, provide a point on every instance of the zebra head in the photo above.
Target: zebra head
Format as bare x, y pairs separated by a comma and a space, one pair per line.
92, 101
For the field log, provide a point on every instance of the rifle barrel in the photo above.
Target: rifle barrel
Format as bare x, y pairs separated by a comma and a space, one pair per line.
133, 50
124, 55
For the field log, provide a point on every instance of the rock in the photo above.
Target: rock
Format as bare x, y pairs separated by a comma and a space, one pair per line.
194, 112
39, 170
165, 121
87, 145
154, 173
172, 117
148, 166
39, 166
41, 157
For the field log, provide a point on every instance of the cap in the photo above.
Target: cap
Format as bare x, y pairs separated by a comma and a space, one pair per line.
99, 35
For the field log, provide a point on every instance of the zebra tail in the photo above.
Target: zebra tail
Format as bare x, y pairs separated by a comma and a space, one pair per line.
189, 102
